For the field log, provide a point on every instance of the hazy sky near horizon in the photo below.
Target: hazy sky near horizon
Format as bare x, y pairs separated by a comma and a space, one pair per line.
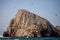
48, 9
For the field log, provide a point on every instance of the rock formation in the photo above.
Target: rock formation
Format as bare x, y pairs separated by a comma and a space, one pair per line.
27, 24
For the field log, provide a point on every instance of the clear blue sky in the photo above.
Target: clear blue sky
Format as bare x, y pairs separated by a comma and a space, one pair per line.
47, 9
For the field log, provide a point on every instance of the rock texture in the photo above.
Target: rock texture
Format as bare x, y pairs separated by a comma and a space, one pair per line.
58, 29
27, 24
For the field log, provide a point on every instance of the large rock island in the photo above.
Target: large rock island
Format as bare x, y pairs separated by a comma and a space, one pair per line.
26, 24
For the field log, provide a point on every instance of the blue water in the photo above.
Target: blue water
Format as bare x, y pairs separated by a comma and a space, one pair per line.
42, 38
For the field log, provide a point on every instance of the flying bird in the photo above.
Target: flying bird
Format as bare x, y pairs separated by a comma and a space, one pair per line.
56, 14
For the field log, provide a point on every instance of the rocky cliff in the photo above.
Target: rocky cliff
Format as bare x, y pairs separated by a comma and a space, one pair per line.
27, 24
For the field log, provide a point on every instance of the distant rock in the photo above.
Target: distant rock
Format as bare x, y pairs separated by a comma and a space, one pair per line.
27, 24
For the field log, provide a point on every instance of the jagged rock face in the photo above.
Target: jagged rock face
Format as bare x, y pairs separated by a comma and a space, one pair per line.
27, 24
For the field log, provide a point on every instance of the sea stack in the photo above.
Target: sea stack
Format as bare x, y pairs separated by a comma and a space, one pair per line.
26, 24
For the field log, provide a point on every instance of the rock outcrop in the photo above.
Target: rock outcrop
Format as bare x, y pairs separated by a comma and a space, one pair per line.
27, 24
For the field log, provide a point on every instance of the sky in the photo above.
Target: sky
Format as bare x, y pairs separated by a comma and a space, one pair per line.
48, 9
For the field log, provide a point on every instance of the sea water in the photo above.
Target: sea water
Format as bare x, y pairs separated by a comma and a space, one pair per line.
35, 38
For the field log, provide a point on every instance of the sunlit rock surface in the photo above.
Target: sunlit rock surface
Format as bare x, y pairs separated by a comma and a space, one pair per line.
26, 24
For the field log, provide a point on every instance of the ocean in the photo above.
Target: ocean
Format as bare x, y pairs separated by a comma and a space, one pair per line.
35, 38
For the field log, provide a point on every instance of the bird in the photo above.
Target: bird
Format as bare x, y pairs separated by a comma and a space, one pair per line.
56, 14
